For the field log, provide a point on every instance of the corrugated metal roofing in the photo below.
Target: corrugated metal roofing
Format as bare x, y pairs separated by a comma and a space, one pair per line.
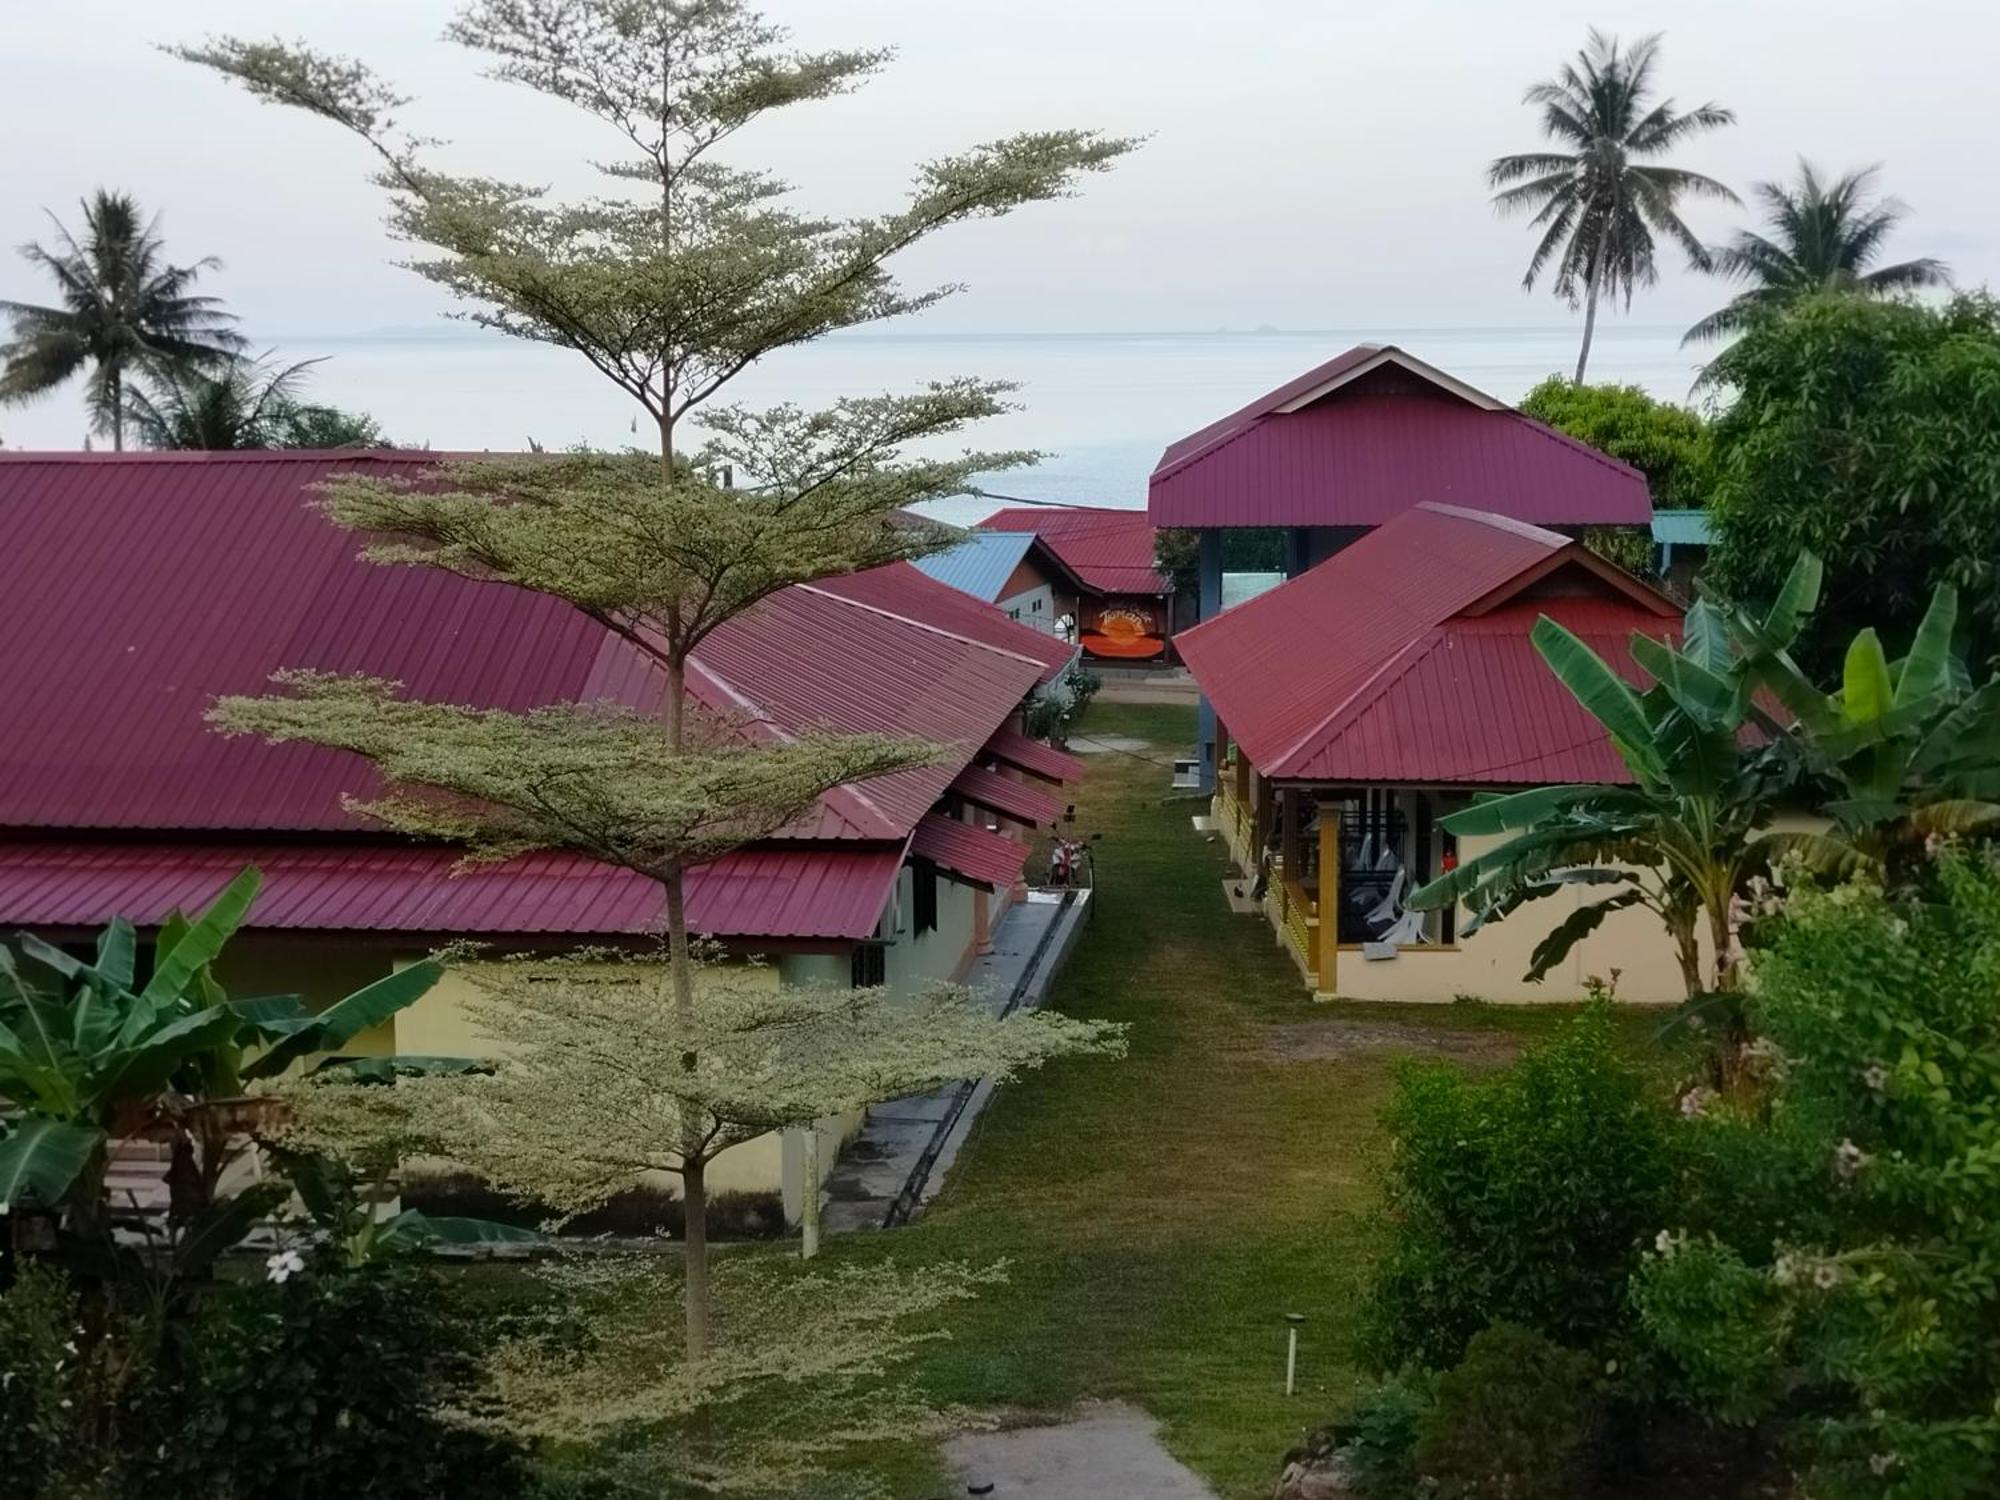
901, 589
981, 564
1289, 671
1681, 528
1034, 757
757, 893
1110, 551
1366, 451
983, 857
1030, 802
141, 586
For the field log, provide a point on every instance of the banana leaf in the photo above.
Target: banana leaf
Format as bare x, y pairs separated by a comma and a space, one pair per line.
176, 967
41, 1158
346, 1019
1572, 930
1605, 695
1927, 668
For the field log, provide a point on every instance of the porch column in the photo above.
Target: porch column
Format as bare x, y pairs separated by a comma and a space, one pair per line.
1288, 831
1209, 571
1329, 897
1298, 546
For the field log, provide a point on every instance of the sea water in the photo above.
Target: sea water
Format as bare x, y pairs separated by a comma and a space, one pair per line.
1098, 406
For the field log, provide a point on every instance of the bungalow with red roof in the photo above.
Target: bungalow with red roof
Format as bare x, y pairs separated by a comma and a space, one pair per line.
1364, 700
142, 586
1124, 604
1357, 441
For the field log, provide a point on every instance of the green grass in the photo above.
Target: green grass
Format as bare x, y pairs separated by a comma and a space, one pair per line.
1160, 1214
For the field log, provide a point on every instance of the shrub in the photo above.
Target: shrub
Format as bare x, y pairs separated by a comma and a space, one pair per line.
1524, 1198
325, 1386
1516, 1420
1378, 1440
1861, 1320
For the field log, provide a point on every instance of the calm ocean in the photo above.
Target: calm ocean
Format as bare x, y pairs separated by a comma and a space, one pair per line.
1100, 405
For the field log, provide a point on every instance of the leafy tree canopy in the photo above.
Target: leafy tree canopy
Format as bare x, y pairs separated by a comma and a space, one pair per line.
1667, 443
1867, 432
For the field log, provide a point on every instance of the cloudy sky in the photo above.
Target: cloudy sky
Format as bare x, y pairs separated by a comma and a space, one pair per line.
1311, 163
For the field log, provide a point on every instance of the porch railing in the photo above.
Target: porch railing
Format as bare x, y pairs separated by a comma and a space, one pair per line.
1299, 922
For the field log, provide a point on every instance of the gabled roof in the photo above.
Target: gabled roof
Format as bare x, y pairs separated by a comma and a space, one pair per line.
981, 564
1406, 658
901, 589
1372, 432
141, 586
1109, 550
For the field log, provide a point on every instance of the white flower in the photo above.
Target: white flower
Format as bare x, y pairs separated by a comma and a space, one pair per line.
1695, 1102
285, 1265
1881, 1463
1785, 1269
1848, 1160
1826, 1276
1669, 1244
1875, 1076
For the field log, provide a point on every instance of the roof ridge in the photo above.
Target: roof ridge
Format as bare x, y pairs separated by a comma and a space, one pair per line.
1493, 518
1394, 667
235, 455
924, 625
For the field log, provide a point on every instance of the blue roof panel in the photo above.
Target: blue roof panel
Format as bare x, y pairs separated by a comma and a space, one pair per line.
1681, 528
981, 564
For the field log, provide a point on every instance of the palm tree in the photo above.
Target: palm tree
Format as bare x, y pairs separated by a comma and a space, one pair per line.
1597, 203
1824, 237
245, 404
122, 310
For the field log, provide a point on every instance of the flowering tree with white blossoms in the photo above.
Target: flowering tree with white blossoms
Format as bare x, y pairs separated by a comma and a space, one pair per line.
1837, 1272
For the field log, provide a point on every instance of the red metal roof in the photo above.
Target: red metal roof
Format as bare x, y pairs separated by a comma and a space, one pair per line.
981, 856
758, 893
905, 590
1034, 757
1402, 659
1374, 431
1031, 802
1110, 551
141, 586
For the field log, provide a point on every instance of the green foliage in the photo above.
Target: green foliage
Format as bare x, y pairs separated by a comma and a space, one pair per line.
1377, 1441
1059, 705
1669, 444
122, 310
63, 1403
1597, 202
1523, 1198
1867, 432
1515, 1420
240, 404
1824, 237
327, 1386
1860, 1314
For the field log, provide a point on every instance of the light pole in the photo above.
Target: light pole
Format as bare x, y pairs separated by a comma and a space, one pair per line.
1292, 1322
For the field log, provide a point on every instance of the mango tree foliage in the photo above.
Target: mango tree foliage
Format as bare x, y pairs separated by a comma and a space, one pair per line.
1868, 432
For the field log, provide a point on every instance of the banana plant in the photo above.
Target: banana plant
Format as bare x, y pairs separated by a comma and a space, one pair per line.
1905, 749
86, 1051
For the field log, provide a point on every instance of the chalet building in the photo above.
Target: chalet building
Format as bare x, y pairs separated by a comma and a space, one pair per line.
139, 587
1359, 703
1016, 573
1124, 604
1353, 444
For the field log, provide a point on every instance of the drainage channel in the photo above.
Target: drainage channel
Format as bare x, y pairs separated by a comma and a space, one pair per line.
904, 1206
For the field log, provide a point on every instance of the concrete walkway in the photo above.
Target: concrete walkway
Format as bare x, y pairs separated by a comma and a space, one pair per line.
897, 1161
1109, 1450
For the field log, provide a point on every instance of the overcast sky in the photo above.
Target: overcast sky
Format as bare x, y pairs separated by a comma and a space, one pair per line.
1311, 163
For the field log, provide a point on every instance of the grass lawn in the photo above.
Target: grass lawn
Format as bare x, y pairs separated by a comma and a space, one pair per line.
1162, 1213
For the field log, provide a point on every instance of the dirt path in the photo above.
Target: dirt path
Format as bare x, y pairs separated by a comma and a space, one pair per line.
1108, 1449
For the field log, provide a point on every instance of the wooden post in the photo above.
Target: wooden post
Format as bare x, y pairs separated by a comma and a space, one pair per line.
1288, 830
1329, 897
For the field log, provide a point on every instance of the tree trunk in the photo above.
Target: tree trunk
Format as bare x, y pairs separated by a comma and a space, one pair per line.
117, 410
1589, 322
694, 1199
